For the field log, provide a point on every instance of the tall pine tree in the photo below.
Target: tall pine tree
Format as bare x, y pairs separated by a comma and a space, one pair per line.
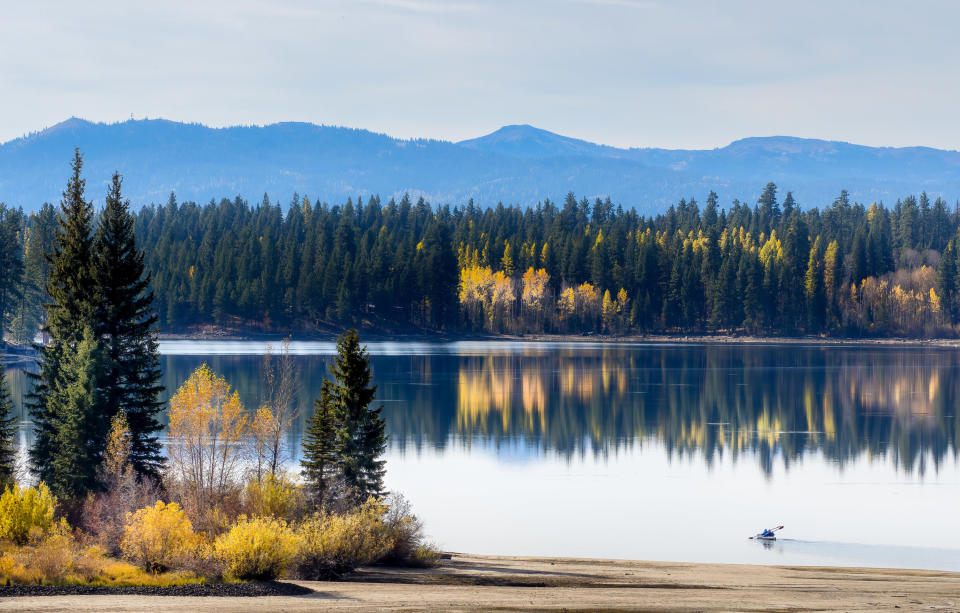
362, 437
126, 323
72, 309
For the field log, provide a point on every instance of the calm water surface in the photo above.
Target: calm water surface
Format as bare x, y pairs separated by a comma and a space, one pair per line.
661, 452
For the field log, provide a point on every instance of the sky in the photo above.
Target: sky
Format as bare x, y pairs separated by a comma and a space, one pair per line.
644, 73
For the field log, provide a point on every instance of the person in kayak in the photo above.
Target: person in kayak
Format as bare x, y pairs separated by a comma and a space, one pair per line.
767, 532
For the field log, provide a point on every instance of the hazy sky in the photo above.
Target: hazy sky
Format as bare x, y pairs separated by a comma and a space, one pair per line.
621, 72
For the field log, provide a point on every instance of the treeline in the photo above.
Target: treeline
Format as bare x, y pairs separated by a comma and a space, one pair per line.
571, 267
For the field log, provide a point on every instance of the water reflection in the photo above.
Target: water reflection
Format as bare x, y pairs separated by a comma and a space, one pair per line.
773, 403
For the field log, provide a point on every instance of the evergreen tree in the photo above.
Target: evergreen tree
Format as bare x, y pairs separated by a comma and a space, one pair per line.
946, 279
814, 288
72, 310
320, 445
40, 236
79, 430
768, 209
126, 320
11, 265
362, 438
8, 433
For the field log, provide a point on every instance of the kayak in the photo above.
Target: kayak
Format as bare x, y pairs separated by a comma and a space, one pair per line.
767, 535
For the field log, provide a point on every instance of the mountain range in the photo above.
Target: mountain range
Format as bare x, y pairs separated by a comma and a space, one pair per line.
517, 164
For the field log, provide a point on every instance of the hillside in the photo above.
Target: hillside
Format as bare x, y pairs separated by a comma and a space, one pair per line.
515, 164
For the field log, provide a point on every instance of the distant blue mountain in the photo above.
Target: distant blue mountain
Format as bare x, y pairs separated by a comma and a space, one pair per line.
515, 165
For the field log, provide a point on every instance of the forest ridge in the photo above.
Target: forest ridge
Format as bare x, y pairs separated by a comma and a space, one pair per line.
573, 267
515, 165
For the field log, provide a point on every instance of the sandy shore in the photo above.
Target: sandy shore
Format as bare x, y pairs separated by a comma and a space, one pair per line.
485, 583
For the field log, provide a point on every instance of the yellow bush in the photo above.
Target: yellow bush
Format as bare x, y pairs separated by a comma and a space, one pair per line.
274, 497
260, 548
159, 537
59, 560
13, 571
23, 511
332, 544
54, 558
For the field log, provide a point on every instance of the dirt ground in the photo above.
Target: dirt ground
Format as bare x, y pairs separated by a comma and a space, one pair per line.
488, 583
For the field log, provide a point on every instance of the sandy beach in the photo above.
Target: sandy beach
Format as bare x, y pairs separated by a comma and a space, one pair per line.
485, 583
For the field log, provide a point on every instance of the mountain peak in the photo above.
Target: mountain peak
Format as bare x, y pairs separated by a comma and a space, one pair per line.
526, 141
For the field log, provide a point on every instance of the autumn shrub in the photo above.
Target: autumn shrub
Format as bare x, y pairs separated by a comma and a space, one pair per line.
159, 538
60, 560
104, 512
274, 496
332, 544
260, 548
26, 511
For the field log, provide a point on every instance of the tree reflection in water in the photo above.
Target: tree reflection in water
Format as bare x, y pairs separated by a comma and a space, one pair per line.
774, 403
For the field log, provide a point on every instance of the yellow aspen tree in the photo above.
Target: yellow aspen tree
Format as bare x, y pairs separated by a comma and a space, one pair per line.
260, 442
207, 429
608, 311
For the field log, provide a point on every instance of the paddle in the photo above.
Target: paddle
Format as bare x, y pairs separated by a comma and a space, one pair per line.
771, 530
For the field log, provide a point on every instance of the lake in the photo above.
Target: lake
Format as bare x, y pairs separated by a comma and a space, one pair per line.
655, 451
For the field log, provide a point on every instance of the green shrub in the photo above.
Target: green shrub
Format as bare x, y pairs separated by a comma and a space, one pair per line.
159, 538
256, 549
26, 511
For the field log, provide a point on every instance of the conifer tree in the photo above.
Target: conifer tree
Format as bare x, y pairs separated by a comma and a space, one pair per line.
126, 326
79, 430
320, 445
8, 433
11, 264
72, 309
362, 438
814, 288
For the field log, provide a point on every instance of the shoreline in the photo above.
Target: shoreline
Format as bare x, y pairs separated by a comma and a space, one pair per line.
481, 583
653, 339
14, 352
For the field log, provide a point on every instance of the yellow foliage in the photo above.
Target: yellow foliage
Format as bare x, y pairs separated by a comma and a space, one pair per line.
159, 537
333, 544
262, 430
207, 427
276, 496
259, 548
60, 560
588, 298
26, 511
475, 284
622, 301
502, 293
771, 250
567, 302
608, 309
534, 287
